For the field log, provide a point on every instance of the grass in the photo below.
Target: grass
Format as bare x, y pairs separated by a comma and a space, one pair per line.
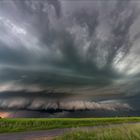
122, 132
19, 125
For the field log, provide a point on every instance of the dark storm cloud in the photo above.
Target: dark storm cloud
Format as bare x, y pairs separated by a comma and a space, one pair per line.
43, 104
82, 50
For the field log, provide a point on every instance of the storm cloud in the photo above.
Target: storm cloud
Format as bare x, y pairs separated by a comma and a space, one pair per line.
41, 104
84, 52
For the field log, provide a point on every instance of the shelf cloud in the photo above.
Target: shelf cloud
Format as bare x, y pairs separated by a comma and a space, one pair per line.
83, 52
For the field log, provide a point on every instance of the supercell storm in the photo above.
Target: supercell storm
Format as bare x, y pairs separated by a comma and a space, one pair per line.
65, 55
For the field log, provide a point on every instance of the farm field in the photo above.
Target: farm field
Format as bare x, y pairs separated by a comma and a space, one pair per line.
20, 125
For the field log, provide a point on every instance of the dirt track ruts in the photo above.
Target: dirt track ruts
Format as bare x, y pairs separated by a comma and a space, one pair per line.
46, 133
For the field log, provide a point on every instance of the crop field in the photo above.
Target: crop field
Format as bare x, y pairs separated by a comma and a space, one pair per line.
19, 125
122, 132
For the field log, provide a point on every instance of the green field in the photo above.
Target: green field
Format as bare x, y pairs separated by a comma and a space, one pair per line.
18, 125
122, 132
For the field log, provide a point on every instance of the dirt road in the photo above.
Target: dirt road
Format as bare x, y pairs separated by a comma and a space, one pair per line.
46, 133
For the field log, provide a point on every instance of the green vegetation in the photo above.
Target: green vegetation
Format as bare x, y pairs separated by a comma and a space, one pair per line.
18, 125
122, 132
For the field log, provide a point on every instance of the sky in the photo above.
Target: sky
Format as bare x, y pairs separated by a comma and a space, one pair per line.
69, 58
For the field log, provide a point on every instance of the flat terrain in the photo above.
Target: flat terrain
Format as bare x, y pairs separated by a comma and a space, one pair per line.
21, 125
119, 132
46, 129
81, 133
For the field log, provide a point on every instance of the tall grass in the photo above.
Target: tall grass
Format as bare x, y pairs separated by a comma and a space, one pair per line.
122, 132
18, 125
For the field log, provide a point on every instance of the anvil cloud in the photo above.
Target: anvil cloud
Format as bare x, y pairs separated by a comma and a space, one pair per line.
78, 54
